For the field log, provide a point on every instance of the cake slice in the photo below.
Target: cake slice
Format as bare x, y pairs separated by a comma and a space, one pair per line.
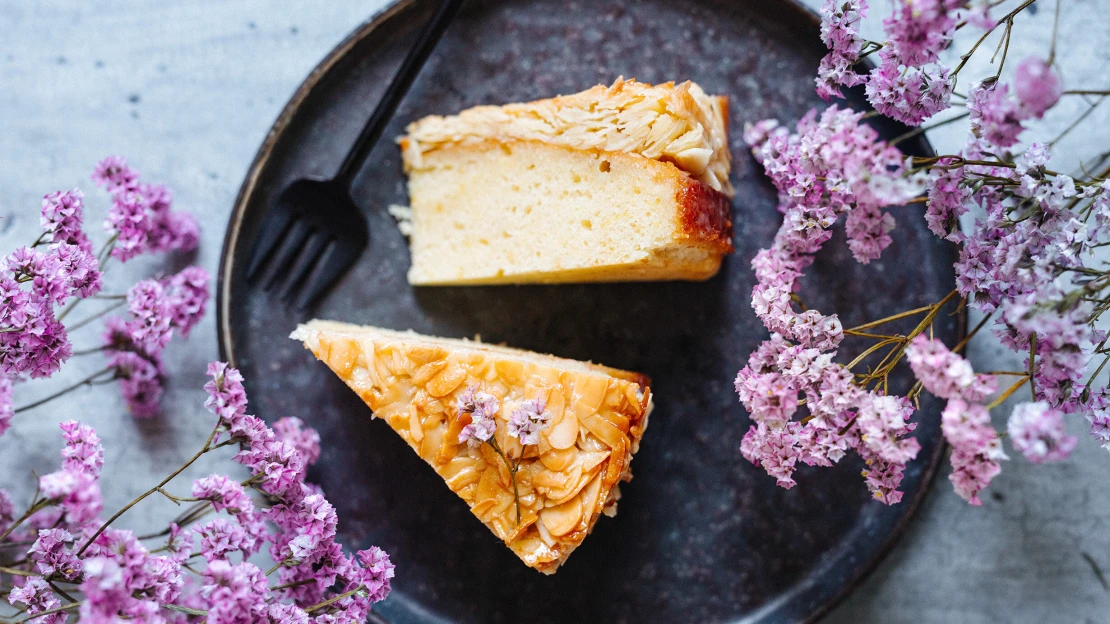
563, 482
618, 183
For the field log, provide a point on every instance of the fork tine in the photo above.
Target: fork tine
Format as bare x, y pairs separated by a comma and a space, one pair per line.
276, 224
339, 257
287, 252
313, 250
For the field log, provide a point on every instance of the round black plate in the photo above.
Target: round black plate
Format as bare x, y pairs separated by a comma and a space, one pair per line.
702, 536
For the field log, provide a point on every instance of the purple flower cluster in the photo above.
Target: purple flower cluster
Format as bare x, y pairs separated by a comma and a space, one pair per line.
1037, 430
61, 265
842, 417
528, 420
908, 84
481, 407
121, 580
140, 219
135, 345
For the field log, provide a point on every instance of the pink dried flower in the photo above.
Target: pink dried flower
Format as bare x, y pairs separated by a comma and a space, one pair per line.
948, 200
129, 223
6, 410
36, 344
908, 94
882, 422
151, 321
976, 449
226, 396
868, 232
236, 593
220, 537
78, 494
7, 510
528, 420
140, 380
83, 451
920, 29
840, 33
1096, 409
306, 440
113, 174
53, 557
62, 218
946, 374
776, 450
1037, 430
995, 116
1037, 86
482, 407
279, 465
224, 493
38, 597
883, 478
186, 295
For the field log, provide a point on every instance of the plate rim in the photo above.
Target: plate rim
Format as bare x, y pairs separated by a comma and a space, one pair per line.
226, 267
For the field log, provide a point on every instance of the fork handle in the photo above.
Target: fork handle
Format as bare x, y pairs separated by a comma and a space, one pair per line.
395, 92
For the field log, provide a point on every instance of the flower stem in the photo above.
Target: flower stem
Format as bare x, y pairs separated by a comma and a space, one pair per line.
1032, 361
152, 490
916, 131
16, 572
873, 348
1008, 17
1005, 395
188, 610
512, 475
333, 600
888, 319
65, 607
92, 318
1087, 92
88, 381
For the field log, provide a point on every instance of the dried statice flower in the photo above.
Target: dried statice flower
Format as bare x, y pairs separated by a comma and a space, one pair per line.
220, 537
528, 420
37, 597
151, 322
306, 440
186, 296
840, 33
909, 94
114, 174
235, 593
1037, 86
6, 410
83, 451
946, 374
141, 381
976, 449
62, 218
481, 406
1037, 430
52, 556
225, 494
995, 116
920, 29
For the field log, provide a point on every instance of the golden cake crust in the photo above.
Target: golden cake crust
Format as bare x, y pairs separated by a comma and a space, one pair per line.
669, 122
565, 482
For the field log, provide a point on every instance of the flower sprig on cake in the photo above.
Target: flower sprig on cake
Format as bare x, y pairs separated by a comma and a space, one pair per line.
1027, 260
525, 424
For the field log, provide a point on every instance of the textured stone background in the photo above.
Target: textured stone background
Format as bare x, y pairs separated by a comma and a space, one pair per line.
188, 91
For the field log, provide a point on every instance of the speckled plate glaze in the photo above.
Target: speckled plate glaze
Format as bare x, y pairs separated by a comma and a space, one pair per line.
702, 536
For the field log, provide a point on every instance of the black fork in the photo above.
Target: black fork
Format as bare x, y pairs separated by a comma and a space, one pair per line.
315, 223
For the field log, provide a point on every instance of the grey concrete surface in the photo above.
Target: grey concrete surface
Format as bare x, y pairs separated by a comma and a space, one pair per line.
188, 90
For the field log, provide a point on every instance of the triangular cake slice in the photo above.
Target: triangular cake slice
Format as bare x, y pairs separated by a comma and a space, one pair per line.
565, 481
619, 183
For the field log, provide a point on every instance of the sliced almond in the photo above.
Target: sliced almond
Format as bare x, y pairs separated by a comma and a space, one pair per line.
605, 431
446, 380
563, 434
562, 519
558, 459
591, 497
415, 428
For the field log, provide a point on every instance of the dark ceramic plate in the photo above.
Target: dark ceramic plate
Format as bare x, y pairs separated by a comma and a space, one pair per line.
702, 536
